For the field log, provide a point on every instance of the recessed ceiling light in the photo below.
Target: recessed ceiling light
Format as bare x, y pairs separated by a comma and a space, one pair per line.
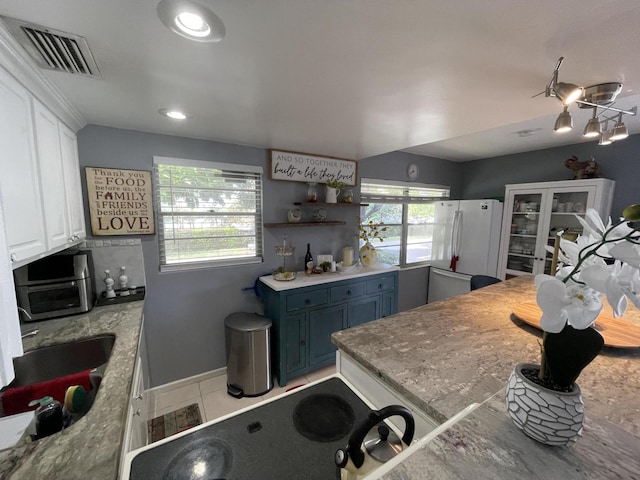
191, 20
174, 114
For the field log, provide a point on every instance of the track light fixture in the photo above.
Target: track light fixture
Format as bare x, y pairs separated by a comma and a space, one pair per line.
601, 96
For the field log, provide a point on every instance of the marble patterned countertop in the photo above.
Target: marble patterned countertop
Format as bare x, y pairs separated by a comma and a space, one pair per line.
91, 447
447, 355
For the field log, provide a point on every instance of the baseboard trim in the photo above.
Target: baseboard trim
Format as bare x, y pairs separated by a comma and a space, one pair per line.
186, 381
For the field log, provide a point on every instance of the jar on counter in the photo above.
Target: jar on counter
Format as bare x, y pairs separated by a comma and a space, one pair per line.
312, 192
347, 196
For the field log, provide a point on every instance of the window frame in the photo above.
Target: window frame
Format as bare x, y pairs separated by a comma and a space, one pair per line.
404, 200
160, 215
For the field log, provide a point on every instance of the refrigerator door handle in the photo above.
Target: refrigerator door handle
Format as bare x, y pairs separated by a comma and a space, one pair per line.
459, 233
454, 230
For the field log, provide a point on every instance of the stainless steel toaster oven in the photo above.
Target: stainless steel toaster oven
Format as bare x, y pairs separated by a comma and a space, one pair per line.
55, 286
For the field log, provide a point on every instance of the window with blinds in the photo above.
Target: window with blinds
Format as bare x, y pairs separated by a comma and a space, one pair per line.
208, 214
407, 210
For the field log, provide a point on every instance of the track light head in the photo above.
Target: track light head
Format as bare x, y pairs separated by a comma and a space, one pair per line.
593, 128
568, 93
564, 122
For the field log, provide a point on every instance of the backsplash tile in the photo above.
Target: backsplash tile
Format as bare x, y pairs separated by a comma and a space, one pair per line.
113, 254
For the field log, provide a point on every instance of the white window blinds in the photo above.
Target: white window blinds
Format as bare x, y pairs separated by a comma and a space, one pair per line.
209, 214
387, 191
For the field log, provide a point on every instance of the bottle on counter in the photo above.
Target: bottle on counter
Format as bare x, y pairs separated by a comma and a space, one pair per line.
49, 418
123, 280
308, 260
108, 283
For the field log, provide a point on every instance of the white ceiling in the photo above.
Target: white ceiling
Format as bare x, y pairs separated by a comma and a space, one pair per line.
351, 78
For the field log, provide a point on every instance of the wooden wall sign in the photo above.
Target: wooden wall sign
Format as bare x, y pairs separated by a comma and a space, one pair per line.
120, 201
301, 167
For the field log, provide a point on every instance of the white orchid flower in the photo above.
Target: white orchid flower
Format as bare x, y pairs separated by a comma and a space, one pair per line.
576, 304
605, 278
627, 252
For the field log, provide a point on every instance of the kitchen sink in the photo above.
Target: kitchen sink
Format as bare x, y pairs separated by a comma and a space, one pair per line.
48, 363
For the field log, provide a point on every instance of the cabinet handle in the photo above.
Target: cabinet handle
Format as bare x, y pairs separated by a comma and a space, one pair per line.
139, 397
379, 286
137, 412
14, 258
307, 302
348, 292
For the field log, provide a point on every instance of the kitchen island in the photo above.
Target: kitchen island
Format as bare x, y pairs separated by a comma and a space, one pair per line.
447, 355
91, 447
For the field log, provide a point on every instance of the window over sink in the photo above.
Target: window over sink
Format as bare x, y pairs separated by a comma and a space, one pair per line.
209, 214
407, 210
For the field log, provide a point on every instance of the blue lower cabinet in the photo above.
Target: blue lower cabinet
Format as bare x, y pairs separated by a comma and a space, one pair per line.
322, 323
304, 318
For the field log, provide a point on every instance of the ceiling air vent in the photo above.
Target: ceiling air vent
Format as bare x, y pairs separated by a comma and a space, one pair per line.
53, 49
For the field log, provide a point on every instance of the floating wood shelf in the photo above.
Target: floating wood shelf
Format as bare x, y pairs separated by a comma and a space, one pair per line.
339, 204
303, 224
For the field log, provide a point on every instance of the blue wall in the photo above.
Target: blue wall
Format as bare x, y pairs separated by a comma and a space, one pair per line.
185, 311
619, 161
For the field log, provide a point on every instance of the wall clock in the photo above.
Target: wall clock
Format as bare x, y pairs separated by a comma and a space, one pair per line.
412, 171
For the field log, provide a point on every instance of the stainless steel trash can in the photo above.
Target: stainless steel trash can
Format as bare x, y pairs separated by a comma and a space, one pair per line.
248, 346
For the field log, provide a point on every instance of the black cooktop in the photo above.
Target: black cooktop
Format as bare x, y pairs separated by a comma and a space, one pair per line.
294, 437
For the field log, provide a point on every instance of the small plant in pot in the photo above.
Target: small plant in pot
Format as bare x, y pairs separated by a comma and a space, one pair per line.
604, 260
369, 232
333, 190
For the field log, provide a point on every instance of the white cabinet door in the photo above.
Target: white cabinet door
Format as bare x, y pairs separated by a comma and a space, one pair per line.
71, 166
19, 181
52, 183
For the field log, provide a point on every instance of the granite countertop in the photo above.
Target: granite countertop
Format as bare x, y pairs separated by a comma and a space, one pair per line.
447, 355
304, 280
91, 447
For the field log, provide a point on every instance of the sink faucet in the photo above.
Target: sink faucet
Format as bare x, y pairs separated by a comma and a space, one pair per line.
31, 333
26, 314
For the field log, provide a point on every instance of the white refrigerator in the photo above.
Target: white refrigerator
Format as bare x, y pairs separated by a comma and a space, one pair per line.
466, 242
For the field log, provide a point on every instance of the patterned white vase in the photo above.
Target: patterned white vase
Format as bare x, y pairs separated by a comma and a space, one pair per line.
550, 417
368, 255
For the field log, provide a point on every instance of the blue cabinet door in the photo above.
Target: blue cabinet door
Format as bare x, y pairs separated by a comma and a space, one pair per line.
363, 311
295, 343
322, 323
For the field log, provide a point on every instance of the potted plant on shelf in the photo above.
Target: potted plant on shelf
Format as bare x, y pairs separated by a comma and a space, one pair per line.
333, 190
544, 400
367, 233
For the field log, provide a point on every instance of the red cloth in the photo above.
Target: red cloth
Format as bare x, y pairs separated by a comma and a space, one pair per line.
454, 263
16, 400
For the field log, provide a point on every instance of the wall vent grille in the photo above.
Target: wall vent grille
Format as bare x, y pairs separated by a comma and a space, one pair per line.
55, 50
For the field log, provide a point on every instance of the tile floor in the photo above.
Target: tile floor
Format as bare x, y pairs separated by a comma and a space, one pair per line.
209, 391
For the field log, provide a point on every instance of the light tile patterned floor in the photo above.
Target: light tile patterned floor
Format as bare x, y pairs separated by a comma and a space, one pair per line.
210, 393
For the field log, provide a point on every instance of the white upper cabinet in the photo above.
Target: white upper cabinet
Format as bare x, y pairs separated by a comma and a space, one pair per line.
40, 185
535, 212
73, 186
19, 182
52, 177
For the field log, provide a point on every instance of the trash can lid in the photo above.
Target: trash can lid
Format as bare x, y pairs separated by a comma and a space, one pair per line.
247, 322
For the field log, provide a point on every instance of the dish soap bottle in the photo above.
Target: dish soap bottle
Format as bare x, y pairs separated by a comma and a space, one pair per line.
48, 416
308, 261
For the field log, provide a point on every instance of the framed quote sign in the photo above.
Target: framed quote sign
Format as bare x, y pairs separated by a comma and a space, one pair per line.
120, 201
302, 167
